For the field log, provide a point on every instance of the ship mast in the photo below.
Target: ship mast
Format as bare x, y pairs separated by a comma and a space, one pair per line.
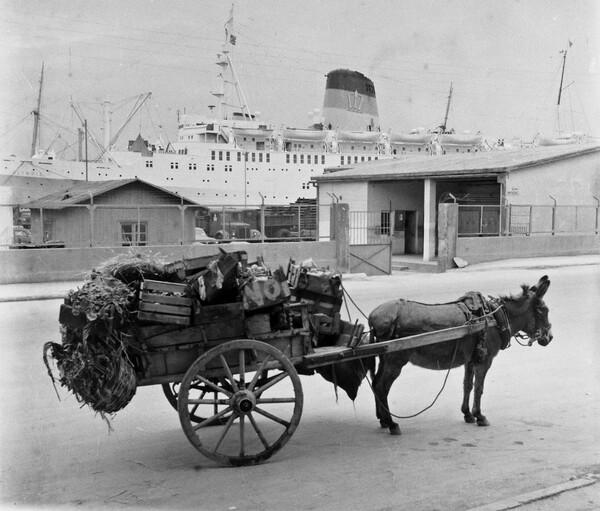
225, 62
560, 88
442, 127
36, 115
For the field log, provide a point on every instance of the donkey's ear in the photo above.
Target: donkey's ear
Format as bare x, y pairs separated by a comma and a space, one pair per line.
542, 286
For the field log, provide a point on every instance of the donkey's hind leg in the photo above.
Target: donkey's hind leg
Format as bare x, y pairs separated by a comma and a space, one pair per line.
467, 388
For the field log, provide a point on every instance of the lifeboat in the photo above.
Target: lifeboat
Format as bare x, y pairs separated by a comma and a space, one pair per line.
460, 139
410, 138
561, 140
358, 136
304, 134
253, 132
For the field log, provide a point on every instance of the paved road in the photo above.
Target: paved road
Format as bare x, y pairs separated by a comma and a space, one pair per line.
542, 403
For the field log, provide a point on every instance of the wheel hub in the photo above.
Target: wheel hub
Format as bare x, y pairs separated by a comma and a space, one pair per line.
243, 401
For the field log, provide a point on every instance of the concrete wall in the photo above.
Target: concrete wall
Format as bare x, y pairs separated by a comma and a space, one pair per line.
60, 264
477, 250
494, 248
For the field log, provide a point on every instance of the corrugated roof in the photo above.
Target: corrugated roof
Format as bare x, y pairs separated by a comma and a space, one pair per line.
481, 164
80, 193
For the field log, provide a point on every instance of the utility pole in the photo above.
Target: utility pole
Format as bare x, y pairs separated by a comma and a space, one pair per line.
86, 148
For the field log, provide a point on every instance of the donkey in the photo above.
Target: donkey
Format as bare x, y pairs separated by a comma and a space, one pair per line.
525, 313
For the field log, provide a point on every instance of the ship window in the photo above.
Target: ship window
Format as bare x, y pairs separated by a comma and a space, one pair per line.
253, 157
220, 155
356, 159
341, 160
295, 158
362, 158
301, 158
212, 155
174, 165
192, 166
322, 159
308, 159
239, 156
149, 164
260, 157
268, 158
260, 146
287, 158
227, 155
134, 233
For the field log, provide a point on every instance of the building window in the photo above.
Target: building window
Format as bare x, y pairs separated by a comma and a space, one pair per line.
174, 165
134, 234
385, 223
149, 164
192, 166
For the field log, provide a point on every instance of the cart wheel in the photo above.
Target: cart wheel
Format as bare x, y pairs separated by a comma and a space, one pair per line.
258, 421
171, 391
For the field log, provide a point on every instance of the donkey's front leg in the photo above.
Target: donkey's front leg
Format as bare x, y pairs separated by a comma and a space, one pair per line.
480, 372
467, 388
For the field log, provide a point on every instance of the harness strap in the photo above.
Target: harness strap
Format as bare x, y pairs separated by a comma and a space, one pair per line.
502, 320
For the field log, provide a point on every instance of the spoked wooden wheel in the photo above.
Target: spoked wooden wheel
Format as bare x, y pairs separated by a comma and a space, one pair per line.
171, 391
261, 412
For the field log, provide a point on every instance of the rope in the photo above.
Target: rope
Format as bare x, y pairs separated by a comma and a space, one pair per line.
369, 381
424, 409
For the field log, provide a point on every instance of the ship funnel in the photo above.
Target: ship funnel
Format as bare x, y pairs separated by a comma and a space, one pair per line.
350, 102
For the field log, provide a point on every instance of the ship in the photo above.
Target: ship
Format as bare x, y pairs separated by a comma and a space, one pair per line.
230, 156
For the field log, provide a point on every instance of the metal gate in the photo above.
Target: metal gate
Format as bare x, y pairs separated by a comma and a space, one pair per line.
371, 242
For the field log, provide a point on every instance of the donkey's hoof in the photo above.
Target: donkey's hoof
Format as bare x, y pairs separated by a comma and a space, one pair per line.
482, 421
395, 430
470, 419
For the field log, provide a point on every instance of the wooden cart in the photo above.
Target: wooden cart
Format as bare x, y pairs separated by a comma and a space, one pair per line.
236, 384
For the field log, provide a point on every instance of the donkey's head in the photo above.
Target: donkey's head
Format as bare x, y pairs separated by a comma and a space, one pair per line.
531, 313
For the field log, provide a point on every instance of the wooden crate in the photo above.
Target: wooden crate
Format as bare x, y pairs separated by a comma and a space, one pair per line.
156, 306
319, 284
317, 303
258, 294
211, 323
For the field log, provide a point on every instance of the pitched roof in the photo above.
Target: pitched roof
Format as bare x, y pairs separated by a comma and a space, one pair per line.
82, 192
480, 164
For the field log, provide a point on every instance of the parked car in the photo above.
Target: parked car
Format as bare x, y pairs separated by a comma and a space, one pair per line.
201, 238
21, 235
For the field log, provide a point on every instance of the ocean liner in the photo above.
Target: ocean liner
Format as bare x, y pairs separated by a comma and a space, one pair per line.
231, 157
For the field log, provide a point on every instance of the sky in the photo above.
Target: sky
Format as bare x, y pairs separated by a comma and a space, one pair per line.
503, 60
